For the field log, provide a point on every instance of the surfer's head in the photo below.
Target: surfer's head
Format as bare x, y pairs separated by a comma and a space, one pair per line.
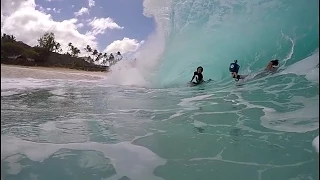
235, 61
199, 69
275, 62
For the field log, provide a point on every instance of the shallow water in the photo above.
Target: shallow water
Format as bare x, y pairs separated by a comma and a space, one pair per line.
88, 130
143, 122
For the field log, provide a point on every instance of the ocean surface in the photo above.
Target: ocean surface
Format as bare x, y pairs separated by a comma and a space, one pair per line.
143, 121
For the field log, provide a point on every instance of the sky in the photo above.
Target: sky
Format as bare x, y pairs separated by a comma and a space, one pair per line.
106, 25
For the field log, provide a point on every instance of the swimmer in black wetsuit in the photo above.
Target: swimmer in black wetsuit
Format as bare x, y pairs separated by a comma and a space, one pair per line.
272, 66
198, 75
234, 69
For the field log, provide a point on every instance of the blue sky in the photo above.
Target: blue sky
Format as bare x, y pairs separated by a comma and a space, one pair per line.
106, 25
126, 13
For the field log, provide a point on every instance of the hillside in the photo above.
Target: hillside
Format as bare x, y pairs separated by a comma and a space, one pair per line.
18, 53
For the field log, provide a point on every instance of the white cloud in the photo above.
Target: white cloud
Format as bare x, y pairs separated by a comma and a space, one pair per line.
82, 11
28, 24
49, 9
125, 45
80, 25
91, 3
41, 9
56, 10
8, 7
100, 25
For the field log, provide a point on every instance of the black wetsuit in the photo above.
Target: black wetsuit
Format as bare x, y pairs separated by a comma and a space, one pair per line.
274, 66
199, 77
274, 63
234, 68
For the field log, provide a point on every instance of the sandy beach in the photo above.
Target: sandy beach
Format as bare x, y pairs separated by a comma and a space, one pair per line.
13, 71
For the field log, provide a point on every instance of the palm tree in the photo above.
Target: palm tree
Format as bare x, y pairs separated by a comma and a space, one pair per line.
75, 51
70, 47
57, 47
95, 52
99, 56
105, 57
8, 38
119, 54
88, 49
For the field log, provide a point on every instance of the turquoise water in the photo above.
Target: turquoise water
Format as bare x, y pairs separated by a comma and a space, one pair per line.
212, 34
142, 121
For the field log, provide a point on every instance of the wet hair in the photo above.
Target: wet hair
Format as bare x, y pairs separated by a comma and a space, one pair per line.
200, 68
275, 62
235, 61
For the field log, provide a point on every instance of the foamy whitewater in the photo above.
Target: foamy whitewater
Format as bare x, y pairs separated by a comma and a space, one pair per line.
143, 121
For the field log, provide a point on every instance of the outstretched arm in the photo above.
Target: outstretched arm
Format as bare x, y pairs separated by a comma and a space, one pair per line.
192, 78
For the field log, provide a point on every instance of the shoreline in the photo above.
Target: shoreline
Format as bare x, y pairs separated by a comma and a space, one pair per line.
50, 68
38, 72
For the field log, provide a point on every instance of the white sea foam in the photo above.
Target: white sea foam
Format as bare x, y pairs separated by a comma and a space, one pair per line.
199, 124
300, 121
315, 143
126, 158
306, 67
17, 79
11, 86
188, 102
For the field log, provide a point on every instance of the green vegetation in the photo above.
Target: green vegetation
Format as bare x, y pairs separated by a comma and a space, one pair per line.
48, 53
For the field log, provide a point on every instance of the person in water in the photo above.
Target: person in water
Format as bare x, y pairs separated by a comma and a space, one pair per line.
273, 65
234, 69
198, 75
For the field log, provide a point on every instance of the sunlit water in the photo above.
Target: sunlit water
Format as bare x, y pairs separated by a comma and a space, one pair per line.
143, 122
57, 129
